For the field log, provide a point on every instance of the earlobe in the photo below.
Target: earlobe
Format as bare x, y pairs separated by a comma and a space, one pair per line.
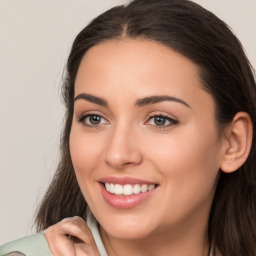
239, 139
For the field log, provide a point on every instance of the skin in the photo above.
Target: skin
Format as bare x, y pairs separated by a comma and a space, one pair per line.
60, 243
183, 157
182, 154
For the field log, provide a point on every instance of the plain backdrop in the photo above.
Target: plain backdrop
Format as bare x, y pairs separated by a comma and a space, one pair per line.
35, 39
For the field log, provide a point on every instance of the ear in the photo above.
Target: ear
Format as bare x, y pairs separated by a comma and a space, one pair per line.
238, 136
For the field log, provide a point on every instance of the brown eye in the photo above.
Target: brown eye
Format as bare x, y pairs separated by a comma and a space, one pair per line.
94, 119
161, 121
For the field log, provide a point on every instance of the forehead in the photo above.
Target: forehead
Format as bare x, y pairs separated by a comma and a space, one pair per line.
136, 58
139, 68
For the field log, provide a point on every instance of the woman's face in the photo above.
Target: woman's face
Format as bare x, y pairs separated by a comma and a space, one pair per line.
144, 128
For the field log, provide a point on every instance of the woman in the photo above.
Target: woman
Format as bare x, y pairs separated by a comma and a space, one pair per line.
159, 139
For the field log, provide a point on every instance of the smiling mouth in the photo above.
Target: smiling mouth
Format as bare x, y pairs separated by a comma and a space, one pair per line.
128, 189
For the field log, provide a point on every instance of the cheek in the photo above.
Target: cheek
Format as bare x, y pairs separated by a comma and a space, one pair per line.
189, 149
189, 164
84, 150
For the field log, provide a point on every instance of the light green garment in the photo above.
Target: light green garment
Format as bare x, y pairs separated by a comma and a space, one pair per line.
35, 245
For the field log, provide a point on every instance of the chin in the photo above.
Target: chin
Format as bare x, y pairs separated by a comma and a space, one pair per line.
128, 230
128, 234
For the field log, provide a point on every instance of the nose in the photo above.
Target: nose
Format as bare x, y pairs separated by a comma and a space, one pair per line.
122, 150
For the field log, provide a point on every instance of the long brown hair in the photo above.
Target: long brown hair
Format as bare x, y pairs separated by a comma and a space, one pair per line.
226, 74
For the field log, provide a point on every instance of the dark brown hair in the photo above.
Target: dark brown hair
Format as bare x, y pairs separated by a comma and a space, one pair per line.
226, 74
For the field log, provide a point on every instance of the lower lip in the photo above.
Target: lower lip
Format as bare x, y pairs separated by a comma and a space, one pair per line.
125, 202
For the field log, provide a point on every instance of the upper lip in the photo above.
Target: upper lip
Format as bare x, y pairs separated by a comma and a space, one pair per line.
124, 180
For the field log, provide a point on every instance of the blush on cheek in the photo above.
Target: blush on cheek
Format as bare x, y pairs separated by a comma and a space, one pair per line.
85, 152
187, 157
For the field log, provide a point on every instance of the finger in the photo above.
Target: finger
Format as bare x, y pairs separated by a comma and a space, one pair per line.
59, 244
58, 237
76, 227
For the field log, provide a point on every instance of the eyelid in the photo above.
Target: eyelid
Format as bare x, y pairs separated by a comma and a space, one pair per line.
174, 120
161, 113
84, 115
91, 112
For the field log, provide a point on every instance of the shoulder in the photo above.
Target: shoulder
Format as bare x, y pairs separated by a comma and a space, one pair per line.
15, 254
35, 245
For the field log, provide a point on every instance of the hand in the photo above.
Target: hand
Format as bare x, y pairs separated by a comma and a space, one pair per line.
71, 237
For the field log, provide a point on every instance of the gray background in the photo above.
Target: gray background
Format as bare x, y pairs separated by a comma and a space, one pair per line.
35, 38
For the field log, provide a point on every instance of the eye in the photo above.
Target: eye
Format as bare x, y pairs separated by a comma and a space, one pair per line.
92, 120
161, 121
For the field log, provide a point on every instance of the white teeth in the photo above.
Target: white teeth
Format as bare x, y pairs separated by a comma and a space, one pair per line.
151, 187
144, 188
136, 189
118, 189
128, 189
107, 186
111, 188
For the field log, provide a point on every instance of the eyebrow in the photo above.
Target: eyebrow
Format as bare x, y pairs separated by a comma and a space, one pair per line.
92, 99
156, 99
139, 103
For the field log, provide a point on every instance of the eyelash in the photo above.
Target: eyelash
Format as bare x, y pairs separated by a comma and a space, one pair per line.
83, 118
165, 117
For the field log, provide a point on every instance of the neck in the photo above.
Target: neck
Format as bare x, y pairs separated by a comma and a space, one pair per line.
188, 241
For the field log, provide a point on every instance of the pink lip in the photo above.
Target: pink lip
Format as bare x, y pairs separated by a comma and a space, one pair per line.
121, 201
124, 180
